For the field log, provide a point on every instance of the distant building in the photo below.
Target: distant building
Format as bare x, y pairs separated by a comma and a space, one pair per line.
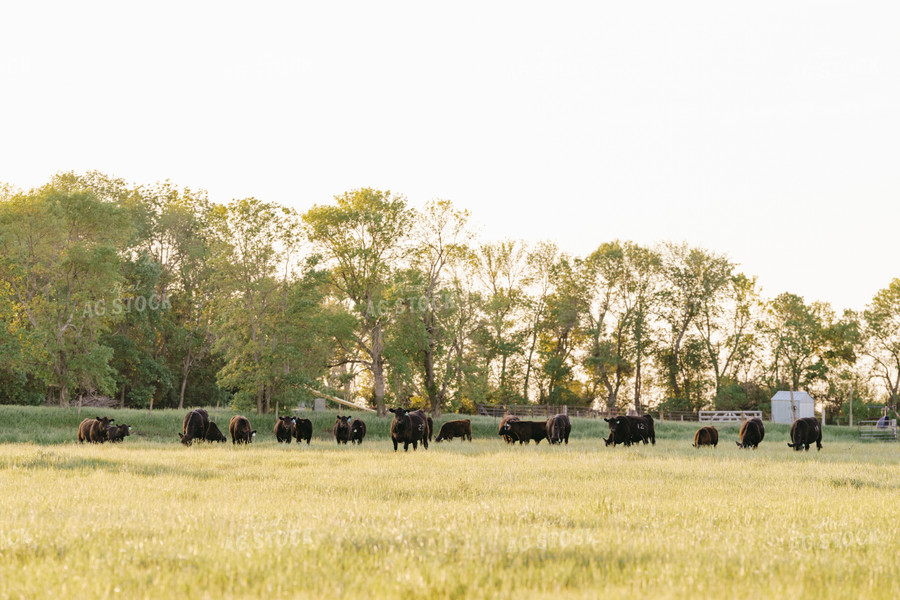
784, 411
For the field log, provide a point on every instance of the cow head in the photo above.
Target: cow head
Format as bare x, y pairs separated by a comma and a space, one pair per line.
357, 427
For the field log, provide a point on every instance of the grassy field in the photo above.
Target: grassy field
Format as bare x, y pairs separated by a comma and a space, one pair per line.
150, 518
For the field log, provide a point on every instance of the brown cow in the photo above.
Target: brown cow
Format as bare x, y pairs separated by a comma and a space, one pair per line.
117, 433
213, 434
453, 429
283, 429
804, 432
341, 429
558, 429
94, 430
752, 433
409, 428
706, 436
240, 430
194, 426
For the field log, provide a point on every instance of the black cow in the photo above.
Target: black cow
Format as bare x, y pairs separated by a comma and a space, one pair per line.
282, 430
341, 429
214, 434
631, 430
409, 428
752, 433
117, 433
507, 418
302, 429
453, 429
94, 430
804, 432
706, 436
240, 430
194, 426
558, 429
525, 431
357, 431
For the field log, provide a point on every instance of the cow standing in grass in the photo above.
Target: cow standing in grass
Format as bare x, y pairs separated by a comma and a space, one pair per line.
507, 418
94, 430
558, 429
706, 436
409, 428
357, 431
525, 431
302, 429
805, 432
453, 429
194, 426
240, 430
341, 429
283, 429
214, 434
631, 430
751, 434
118, 433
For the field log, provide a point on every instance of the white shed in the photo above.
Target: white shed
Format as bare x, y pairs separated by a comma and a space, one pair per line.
783, 412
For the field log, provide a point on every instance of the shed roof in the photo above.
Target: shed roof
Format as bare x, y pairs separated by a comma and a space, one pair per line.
785, 396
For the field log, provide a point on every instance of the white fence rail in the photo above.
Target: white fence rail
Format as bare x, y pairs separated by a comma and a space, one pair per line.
729, 416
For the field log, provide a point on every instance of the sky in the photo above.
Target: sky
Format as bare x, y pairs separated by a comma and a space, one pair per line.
765, 131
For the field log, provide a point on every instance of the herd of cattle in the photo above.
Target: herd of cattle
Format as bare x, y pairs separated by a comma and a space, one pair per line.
413, 427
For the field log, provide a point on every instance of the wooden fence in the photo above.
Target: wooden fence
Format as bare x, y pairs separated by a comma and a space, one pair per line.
541, 411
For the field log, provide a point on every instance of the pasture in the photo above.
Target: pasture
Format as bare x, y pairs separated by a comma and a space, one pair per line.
151, 518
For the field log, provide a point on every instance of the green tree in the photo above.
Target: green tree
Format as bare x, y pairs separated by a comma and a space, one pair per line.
881, 331
500, 270
59, 255
362, 240
691, 278
257, 242
623, 292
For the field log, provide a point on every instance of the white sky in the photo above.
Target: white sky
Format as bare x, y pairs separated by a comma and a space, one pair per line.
768, 131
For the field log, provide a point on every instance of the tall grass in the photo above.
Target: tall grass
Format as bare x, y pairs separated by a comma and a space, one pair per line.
150, 518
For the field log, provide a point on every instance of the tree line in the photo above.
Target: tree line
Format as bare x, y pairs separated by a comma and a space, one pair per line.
155, 294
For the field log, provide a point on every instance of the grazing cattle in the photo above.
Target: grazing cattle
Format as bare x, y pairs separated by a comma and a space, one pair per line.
213, 434
194, 426
409, 428
117, 433
461, 429
631, 430
558, 429
507, 418
341, 429
752, 433
804, 432
357, 431
706, 436
240, 430
525, 431
283, 428
94, 430
302, 429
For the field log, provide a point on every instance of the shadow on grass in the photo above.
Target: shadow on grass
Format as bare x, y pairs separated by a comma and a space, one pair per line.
43, 459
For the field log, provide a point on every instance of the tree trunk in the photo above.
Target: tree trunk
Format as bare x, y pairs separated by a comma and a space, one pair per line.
184, 379
637, 384
378, 370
